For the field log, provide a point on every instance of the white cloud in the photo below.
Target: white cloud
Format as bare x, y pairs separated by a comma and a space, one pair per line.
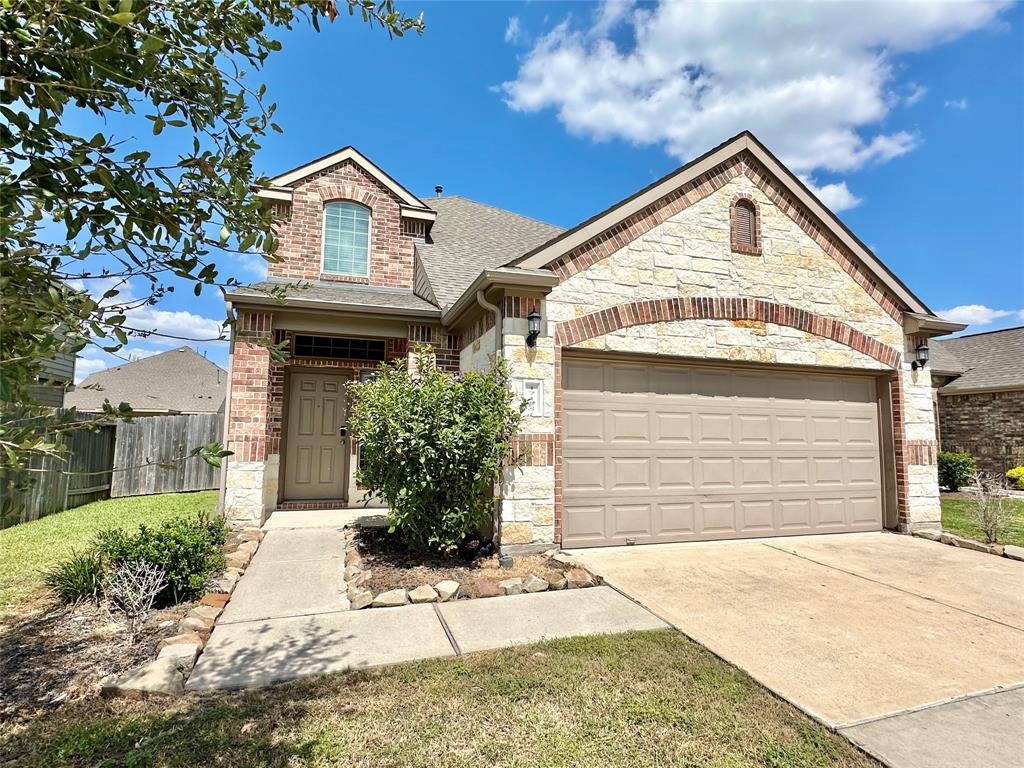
917, 93
87, 365
978, 314
513, 32
960, 104
254, 264
816, 82
836, 196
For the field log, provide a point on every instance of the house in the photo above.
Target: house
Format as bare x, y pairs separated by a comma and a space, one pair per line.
979, 394
717, 356
56, 377
174, 382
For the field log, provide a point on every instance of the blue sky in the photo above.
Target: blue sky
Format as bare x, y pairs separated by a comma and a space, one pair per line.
907, 117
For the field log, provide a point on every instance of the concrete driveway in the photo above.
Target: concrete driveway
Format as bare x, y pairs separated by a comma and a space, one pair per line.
857, 630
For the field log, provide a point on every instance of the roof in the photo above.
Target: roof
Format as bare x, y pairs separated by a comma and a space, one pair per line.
989, 361
178, 381
355, 297
546, 253
469, 237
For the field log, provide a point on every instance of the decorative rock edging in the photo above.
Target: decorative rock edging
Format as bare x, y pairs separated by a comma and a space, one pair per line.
945, 537
177, 655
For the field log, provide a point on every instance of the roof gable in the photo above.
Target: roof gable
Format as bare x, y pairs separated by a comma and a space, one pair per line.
989, 361
613, 221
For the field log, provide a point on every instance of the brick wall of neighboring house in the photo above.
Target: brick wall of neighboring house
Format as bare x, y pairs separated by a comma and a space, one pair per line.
300, 229
988, 425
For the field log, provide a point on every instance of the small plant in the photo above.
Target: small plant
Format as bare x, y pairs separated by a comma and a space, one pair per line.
77, 577
991, 511
1015, 478
955, 469
186, 549
131, 588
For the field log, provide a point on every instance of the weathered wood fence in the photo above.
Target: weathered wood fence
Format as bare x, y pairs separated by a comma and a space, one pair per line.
115, 462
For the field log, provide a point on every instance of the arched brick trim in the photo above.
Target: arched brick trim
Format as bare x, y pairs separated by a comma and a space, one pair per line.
709, 308
339, 192
611, 240
738, 247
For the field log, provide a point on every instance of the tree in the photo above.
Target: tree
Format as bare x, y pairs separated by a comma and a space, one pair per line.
77, 209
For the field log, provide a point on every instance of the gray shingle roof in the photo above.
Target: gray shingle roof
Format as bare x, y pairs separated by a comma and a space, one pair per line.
469, 237
180, 380
340, 293
993, 360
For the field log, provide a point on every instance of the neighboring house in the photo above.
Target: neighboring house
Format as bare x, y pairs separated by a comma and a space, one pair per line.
178, 381
979, 382
717, 357
54, 380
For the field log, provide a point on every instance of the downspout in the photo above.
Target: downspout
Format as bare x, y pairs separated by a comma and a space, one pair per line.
494, 310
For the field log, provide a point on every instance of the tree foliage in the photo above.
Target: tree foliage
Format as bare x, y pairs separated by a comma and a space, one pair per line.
432, 445
94, 226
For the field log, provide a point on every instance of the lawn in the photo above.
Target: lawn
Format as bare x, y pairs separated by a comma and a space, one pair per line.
957, 518
27, 550
642, 699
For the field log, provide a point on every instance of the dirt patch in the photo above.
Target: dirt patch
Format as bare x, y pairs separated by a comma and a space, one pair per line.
51, 654
393, 565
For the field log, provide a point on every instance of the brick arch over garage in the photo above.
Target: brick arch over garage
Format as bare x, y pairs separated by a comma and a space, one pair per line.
621, 316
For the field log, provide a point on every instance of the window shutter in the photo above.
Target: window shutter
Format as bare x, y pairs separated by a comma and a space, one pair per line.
743, 224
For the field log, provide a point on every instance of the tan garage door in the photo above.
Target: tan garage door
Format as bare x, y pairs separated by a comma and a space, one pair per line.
656, 453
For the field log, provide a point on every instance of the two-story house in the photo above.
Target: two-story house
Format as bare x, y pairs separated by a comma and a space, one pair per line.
715, 356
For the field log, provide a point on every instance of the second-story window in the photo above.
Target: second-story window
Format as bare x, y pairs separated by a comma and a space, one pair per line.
346, 239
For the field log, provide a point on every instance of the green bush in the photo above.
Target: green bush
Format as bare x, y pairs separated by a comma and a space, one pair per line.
955, 469
1015, 478
433, 445
77, 577
187, 549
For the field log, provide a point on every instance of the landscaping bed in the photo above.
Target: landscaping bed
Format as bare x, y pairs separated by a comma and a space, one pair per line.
380, 563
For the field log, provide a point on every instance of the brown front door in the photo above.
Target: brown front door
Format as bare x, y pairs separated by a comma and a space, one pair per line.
316, 458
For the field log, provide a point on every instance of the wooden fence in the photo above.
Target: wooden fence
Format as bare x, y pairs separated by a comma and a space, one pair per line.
116, 462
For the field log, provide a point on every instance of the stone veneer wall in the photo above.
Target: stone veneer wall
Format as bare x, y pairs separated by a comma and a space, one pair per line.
988, 425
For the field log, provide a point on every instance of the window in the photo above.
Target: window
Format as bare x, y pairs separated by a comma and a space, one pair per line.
346, 239
338, 348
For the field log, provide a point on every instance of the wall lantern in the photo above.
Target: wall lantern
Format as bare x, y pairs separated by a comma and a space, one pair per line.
921, 355
533, 322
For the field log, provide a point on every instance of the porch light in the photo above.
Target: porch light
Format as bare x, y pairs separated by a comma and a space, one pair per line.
533, 321
921, 355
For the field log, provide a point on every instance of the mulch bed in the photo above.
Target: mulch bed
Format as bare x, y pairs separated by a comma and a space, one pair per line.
51, 654
393, 565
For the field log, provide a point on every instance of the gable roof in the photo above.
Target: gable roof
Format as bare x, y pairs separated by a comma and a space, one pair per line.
545, 253
469, 237
990, 361
178, 381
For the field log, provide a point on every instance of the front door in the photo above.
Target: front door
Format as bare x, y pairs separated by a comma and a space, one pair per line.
316, 458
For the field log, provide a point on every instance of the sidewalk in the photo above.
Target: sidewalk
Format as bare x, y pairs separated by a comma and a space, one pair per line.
289, 617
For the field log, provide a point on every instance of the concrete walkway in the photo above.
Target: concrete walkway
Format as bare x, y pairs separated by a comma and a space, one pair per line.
289, 618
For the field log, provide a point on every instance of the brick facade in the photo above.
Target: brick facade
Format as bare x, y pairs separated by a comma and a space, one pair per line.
988, 425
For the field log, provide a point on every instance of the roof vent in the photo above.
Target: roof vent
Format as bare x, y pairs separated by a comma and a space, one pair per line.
438, 190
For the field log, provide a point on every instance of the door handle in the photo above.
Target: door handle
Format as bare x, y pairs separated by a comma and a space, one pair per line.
342, 432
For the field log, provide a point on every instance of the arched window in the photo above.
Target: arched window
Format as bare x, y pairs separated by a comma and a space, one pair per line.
745, 237
346, 239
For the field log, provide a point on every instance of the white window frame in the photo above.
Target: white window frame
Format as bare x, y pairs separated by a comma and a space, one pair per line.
323, 238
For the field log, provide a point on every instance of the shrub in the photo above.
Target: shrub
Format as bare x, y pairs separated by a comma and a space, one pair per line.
1015, 478
131, 588
433, 445
77, 577
186, 549
955, 469
991, 511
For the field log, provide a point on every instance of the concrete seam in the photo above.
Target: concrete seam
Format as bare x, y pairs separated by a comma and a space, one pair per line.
447, 629
893, 586
933, 705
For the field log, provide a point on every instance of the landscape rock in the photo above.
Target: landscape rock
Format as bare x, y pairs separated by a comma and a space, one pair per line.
558, 582
513, 586
930, 534
996, 549
248, 546
1013, 552
977, 546
238, 559
186, 638
225, 583
578, 578
210, 612
534, 584
184, 654
215, 599
362, 578
352, 558
564, 558
391, 598
447, 590
251, 534
423, 594
359, 598
487, 588
159, 677
351, 571
195, 624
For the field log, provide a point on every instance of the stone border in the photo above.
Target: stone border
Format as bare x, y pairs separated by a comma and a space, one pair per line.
1010, 551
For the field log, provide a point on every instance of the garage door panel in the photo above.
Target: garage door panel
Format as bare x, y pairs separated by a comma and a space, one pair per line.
693, 453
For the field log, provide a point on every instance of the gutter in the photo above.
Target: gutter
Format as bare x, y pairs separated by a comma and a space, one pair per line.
916, 323
537, 279
241, 299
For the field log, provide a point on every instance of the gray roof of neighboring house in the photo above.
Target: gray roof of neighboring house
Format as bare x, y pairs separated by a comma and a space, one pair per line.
989, 361
180, 381
339, 293
469, 237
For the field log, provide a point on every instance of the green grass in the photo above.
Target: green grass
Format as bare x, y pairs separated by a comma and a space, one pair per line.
641, 699
957, 518
27, 550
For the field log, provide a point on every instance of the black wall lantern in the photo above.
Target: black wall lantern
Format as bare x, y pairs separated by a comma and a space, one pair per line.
921, 357
533, 323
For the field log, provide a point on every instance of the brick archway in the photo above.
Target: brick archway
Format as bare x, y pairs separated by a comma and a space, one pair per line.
709, 308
